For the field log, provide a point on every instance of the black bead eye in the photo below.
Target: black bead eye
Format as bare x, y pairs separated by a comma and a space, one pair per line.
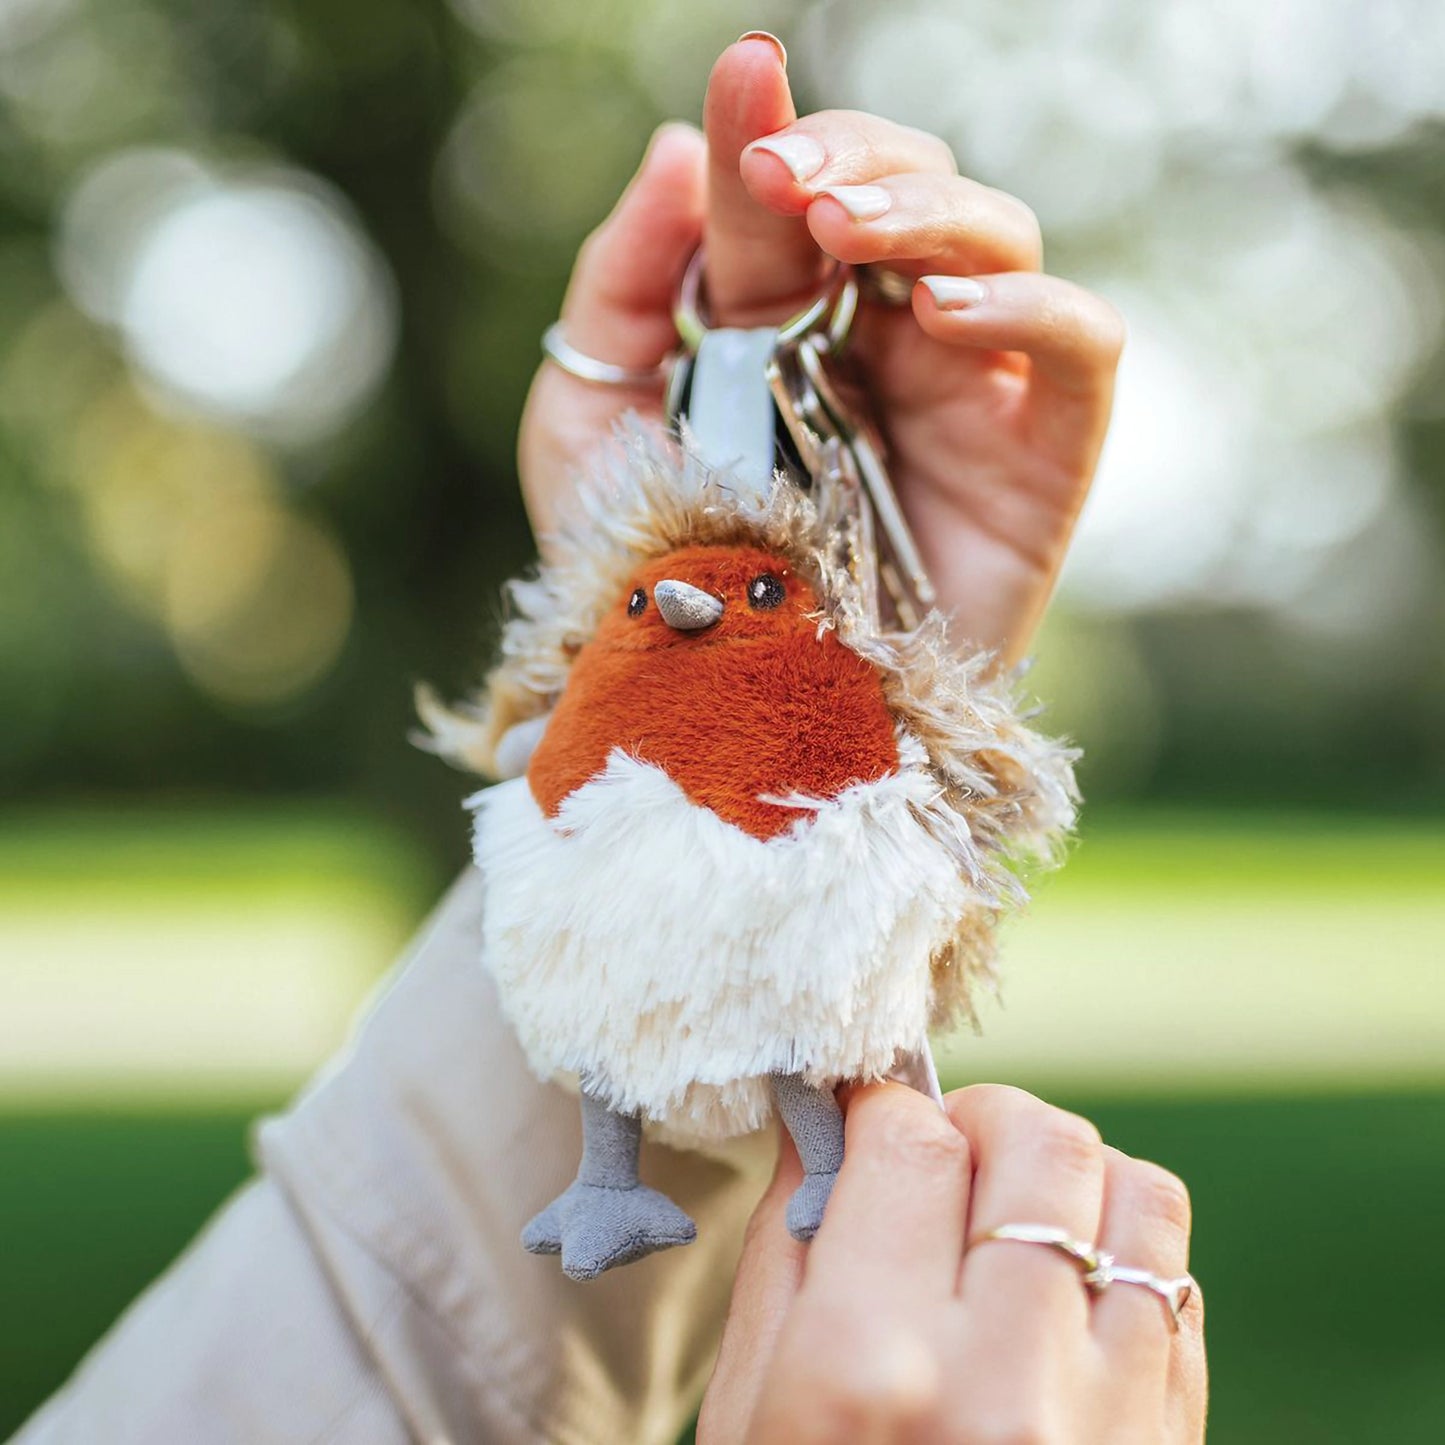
637, 603
766, 592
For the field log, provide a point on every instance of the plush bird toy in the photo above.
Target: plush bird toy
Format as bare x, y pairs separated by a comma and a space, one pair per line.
750, 845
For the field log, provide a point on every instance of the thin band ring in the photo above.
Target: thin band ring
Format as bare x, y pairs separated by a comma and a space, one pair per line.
1085, 1257
558, 349
1097, 1268
1175, 1292
837, 300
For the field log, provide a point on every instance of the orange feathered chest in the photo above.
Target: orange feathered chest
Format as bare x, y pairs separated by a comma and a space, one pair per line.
710, 666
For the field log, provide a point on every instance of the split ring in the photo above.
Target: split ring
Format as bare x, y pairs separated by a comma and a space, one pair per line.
837, 300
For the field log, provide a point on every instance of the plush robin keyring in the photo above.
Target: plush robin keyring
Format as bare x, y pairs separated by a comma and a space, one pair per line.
750, 843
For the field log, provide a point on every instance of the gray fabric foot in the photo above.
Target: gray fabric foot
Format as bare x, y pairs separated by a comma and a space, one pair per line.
543, 1233
594, 1227
606, 1217
810, 1199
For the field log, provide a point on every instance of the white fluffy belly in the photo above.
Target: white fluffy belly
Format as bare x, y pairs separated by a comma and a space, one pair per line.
677, 961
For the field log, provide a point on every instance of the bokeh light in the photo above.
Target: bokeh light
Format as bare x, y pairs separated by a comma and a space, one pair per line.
538, 153
258, 603
192, 524
252, 294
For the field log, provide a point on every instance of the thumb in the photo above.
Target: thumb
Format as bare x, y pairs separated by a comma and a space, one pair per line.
758, 262
769, 1275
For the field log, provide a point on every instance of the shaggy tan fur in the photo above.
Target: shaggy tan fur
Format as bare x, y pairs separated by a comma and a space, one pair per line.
1006, 794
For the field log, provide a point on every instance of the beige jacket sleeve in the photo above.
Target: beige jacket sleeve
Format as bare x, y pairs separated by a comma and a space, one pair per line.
369, 1285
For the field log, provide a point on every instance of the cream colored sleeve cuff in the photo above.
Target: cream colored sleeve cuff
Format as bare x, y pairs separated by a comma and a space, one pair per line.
371, 1287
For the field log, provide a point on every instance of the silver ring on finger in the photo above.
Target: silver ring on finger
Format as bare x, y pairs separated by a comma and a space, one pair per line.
1086, 1258
561, 352
1174, 1292
1097, 1268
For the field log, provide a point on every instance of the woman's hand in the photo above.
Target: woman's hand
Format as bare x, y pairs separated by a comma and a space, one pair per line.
993, 387
887, 1328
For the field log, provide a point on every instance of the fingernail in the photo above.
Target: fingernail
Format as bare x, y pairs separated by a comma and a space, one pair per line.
770, 38
670, 128
802, 155
863, 203
955, 293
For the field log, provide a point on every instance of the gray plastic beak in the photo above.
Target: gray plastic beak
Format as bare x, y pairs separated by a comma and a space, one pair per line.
685, 607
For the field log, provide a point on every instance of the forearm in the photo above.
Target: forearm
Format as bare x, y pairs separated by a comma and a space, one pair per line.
371, 1287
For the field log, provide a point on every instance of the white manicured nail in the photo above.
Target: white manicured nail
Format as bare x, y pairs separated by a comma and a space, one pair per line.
955, 293
771, 39
800, 153
863, 203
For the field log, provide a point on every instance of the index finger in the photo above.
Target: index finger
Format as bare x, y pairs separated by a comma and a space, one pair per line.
894, 1226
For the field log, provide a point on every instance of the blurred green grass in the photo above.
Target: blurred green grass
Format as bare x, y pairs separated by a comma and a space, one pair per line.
204, 953
92, 1207
1324, 1319
100, 857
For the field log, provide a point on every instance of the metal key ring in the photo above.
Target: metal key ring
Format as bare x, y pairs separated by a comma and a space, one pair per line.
837, 300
